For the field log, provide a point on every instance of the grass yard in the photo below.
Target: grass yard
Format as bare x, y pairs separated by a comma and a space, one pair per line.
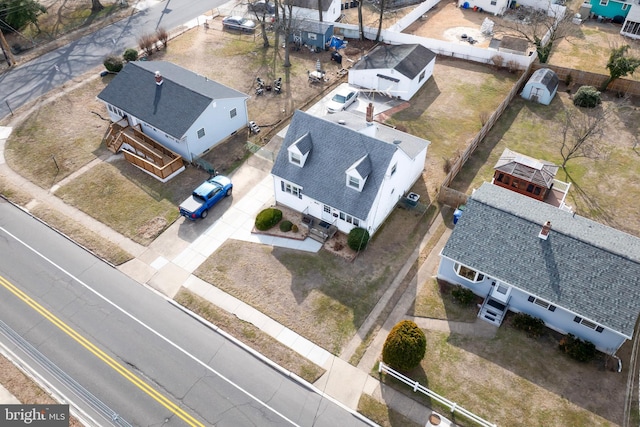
381, 414
446, 111
435, 301
602, 189
48, 146
251, 336
589, 49
323, 297
125, 198
513, 380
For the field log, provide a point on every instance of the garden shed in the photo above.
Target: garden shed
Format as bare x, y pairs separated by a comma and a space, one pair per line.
314, 34
541, 86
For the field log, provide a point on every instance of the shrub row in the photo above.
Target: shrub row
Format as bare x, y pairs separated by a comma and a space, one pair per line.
580, 350
533, 326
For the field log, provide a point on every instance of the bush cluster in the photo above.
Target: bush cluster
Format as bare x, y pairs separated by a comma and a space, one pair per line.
587, 97
268, 218
580, 350
130, 55
358, 239
533, 326
286, 226
462, 295
113, 64
405, 346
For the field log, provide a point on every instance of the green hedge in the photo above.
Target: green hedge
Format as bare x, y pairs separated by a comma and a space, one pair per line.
462, 295
286, 226
405, 346
358, 239
533, 326
268, 218
113, 64
580, 350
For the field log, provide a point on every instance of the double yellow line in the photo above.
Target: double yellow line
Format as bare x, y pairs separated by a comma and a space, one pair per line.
134, 379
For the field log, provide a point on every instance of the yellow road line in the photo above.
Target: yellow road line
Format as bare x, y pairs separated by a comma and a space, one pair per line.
134, 379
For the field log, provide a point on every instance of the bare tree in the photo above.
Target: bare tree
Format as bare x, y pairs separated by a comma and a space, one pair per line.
382, 5
360, 23
534, 27
264, 20
96, 6
582, 132
286, 25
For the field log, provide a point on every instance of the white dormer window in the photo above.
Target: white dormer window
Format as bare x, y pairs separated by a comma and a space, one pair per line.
299, 150
358, 173
353, 182
295, 158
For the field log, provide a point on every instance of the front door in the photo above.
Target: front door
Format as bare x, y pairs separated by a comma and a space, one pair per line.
500, 292
326, 214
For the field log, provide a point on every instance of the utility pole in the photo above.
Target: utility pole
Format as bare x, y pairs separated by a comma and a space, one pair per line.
7, 52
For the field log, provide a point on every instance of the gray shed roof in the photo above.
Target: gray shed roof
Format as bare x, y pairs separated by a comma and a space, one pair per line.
547, 77
335, 149
407, 59
311, 4
586, 267
537, 171
172, 106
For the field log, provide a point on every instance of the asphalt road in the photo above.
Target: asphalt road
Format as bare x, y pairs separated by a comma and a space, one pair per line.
37, 77
132, 350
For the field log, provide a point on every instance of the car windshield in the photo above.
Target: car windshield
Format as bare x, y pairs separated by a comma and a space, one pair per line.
341, 99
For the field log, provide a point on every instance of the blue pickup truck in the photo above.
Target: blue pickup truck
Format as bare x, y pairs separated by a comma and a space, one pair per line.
205, 197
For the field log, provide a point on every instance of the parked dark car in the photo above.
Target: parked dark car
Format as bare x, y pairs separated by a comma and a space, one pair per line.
238, 23
262, 7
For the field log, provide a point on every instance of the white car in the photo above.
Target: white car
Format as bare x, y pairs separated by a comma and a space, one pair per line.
342, 99
238, 23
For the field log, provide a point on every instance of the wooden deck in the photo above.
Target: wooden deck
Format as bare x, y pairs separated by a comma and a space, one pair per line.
143, 151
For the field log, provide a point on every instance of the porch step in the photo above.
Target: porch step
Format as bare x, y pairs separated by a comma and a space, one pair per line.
492, 311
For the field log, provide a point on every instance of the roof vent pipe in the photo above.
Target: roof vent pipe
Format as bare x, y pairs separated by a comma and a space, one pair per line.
158, 78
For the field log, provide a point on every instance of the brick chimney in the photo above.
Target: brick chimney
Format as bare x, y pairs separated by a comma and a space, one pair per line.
546, 228
158, 78
370, 113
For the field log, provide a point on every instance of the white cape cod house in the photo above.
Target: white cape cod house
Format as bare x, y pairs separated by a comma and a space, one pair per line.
577, 275
395, 70
185, 112
348, 173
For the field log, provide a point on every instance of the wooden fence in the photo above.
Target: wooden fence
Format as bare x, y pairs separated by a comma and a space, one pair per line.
462, 159
585, 78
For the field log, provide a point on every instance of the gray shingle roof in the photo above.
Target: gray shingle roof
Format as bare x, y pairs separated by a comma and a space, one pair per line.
411, 145
335, 149
311, 4
171, 107
537, 171
407, 59
583, 266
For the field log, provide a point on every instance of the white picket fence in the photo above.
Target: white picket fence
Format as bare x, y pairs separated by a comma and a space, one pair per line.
433, 395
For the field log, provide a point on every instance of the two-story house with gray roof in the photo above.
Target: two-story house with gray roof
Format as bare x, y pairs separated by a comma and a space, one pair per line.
185, 112
344, 171
395, 70
523, 255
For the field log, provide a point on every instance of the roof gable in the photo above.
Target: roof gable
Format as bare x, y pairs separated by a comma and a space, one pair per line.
583, 266
336, 148
172, 106
407, 59
546, 77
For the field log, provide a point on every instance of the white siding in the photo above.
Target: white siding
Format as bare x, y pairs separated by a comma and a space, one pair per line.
561, 320
497, 9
